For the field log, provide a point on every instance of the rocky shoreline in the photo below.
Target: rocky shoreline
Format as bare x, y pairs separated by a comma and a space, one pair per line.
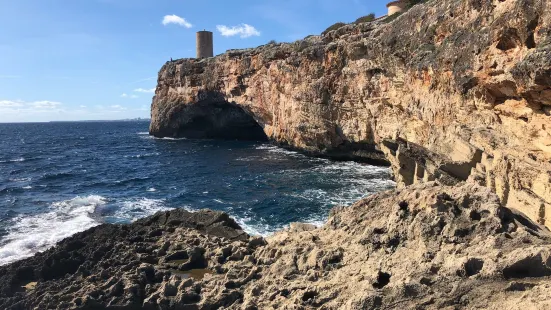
424, 247
454, 94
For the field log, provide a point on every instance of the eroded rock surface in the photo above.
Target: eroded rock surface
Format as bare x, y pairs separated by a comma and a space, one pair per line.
424, 247
450, 90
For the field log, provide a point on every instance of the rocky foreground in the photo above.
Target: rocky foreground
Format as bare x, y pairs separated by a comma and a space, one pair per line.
424, 247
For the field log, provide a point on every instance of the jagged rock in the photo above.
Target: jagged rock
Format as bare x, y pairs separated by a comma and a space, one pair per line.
426, 246
106, 265
462, 88
423, 247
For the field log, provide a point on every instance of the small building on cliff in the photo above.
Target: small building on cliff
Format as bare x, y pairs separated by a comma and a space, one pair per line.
205, 46
397, 6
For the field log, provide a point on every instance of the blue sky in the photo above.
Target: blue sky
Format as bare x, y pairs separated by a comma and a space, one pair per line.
98, 59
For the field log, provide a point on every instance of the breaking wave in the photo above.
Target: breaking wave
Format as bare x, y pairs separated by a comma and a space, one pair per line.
36, 233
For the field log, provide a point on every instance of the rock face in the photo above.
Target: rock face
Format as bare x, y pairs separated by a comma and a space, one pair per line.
123, 265
424, 247
450, 90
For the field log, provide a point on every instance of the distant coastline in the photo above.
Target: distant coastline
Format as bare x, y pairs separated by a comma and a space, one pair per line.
85, 121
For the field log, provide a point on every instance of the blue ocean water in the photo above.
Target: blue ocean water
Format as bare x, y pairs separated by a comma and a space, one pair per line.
57, 179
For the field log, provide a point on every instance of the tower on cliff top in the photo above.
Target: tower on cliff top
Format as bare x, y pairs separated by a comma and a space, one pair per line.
397, 6
204, 44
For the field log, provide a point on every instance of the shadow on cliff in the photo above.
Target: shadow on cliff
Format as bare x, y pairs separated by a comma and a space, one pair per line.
213, 117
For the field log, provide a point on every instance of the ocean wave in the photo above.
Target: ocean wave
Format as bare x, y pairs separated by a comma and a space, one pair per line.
257, 227
142, 155
169, 138
260, 227
56, 176
134, 209
132, 180
354, 168
20, 180
354, 190
143, 133
30, 234
279, 150
163, 138
17, 160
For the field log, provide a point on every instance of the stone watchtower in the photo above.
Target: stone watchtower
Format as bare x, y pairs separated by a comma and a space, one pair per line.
204, 44
397, 6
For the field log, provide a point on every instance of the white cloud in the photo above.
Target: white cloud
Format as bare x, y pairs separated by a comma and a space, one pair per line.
45, 110
45, 104
116, 108
125, 95
243, 30
10, 104
22, 105
141, 90
175, 19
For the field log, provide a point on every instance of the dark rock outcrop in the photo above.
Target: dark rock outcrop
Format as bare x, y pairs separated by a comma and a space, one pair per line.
113, 265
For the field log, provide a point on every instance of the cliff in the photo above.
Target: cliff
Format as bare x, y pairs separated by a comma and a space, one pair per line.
423, 247
451, 90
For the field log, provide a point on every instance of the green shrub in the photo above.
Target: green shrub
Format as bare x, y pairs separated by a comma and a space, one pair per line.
365, 19
272, 42
333, 27
392, 17
415, 2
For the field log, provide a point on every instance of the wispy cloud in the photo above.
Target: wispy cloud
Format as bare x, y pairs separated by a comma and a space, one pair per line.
142, 90
177, 20
117, 107
243, 30
10, 104
44, 104
125, 95
20, 108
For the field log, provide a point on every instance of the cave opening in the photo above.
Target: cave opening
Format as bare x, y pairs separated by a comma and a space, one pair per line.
219, 120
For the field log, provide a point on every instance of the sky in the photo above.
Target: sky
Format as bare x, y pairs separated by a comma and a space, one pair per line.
98, 59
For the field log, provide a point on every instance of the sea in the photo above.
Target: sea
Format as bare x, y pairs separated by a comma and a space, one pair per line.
57, 179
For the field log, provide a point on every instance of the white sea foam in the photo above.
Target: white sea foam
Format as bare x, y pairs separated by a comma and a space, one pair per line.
255, 227
279, 150
143, 133
134, 209
21, 159
21, 180
35, 233
27, 187
261, 228
169, 138
152, 189
142, 155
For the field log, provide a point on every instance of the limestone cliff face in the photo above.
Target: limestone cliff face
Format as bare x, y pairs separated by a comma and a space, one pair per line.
451, 90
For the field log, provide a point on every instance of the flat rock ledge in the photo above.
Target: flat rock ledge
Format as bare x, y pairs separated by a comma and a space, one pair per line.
427, 246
